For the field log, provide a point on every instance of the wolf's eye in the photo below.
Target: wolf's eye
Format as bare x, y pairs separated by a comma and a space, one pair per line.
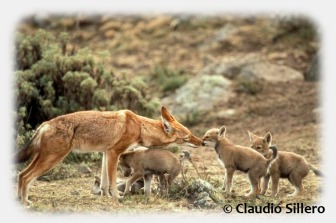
258, 147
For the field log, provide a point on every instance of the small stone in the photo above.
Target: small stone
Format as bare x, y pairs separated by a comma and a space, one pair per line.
75, 192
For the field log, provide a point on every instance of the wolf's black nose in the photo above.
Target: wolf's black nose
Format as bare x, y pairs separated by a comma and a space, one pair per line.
203, 144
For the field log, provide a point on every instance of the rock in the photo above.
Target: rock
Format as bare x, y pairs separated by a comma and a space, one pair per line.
226, 113
231, 66
199, 192
199, 186
204, 201
248, 82
223, 38
252, 67
273, 72
202, 93
199, 94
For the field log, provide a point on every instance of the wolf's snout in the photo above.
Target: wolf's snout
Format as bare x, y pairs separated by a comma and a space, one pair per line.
203, 143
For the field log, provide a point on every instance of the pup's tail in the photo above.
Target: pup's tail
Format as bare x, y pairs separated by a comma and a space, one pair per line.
316, 171
186, 156
274, 156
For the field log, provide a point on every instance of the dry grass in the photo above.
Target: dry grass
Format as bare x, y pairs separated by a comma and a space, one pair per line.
284, 109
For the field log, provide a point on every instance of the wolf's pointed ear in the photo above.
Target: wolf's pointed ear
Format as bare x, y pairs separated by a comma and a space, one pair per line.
166, 115
268, 138
251, 135
167, 128
221, 132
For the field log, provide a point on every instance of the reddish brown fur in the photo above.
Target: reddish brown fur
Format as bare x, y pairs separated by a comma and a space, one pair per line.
87, 131
235, 157
288, 165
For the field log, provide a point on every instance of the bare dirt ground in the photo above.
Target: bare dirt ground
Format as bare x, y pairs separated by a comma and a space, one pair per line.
288, 110
294, 128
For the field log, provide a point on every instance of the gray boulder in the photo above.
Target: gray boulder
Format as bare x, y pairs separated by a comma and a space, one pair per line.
199, 192
199, 94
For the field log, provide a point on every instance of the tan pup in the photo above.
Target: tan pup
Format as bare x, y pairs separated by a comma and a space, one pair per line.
93, 131
234, 157
288, 165
146, 163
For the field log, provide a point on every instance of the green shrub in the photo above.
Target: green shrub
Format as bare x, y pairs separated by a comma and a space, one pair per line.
191, 119
52, 80
167, 79
296, 30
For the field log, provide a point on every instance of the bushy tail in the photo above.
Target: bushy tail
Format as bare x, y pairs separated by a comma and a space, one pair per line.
274, 156
25, 153
316, 171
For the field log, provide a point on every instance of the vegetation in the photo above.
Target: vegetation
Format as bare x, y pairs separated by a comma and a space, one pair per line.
53, 79
167, 79
112, 62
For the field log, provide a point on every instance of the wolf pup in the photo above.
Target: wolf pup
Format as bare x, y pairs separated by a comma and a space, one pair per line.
234, 157
146, 163
288, 165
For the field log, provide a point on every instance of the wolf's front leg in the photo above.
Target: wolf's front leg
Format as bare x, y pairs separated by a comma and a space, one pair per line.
104, 182
112, 164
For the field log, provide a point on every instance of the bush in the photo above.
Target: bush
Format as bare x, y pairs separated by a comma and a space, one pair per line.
298, 28
167, 79
54, 79
191, 119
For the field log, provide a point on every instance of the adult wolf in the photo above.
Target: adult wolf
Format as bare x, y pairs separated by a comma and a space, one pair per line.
88, 131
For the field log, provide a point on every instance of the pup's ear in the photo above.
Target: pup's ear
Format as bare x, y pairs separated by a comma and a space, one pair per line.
268, 138
222, 131
166, 115
251, 135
